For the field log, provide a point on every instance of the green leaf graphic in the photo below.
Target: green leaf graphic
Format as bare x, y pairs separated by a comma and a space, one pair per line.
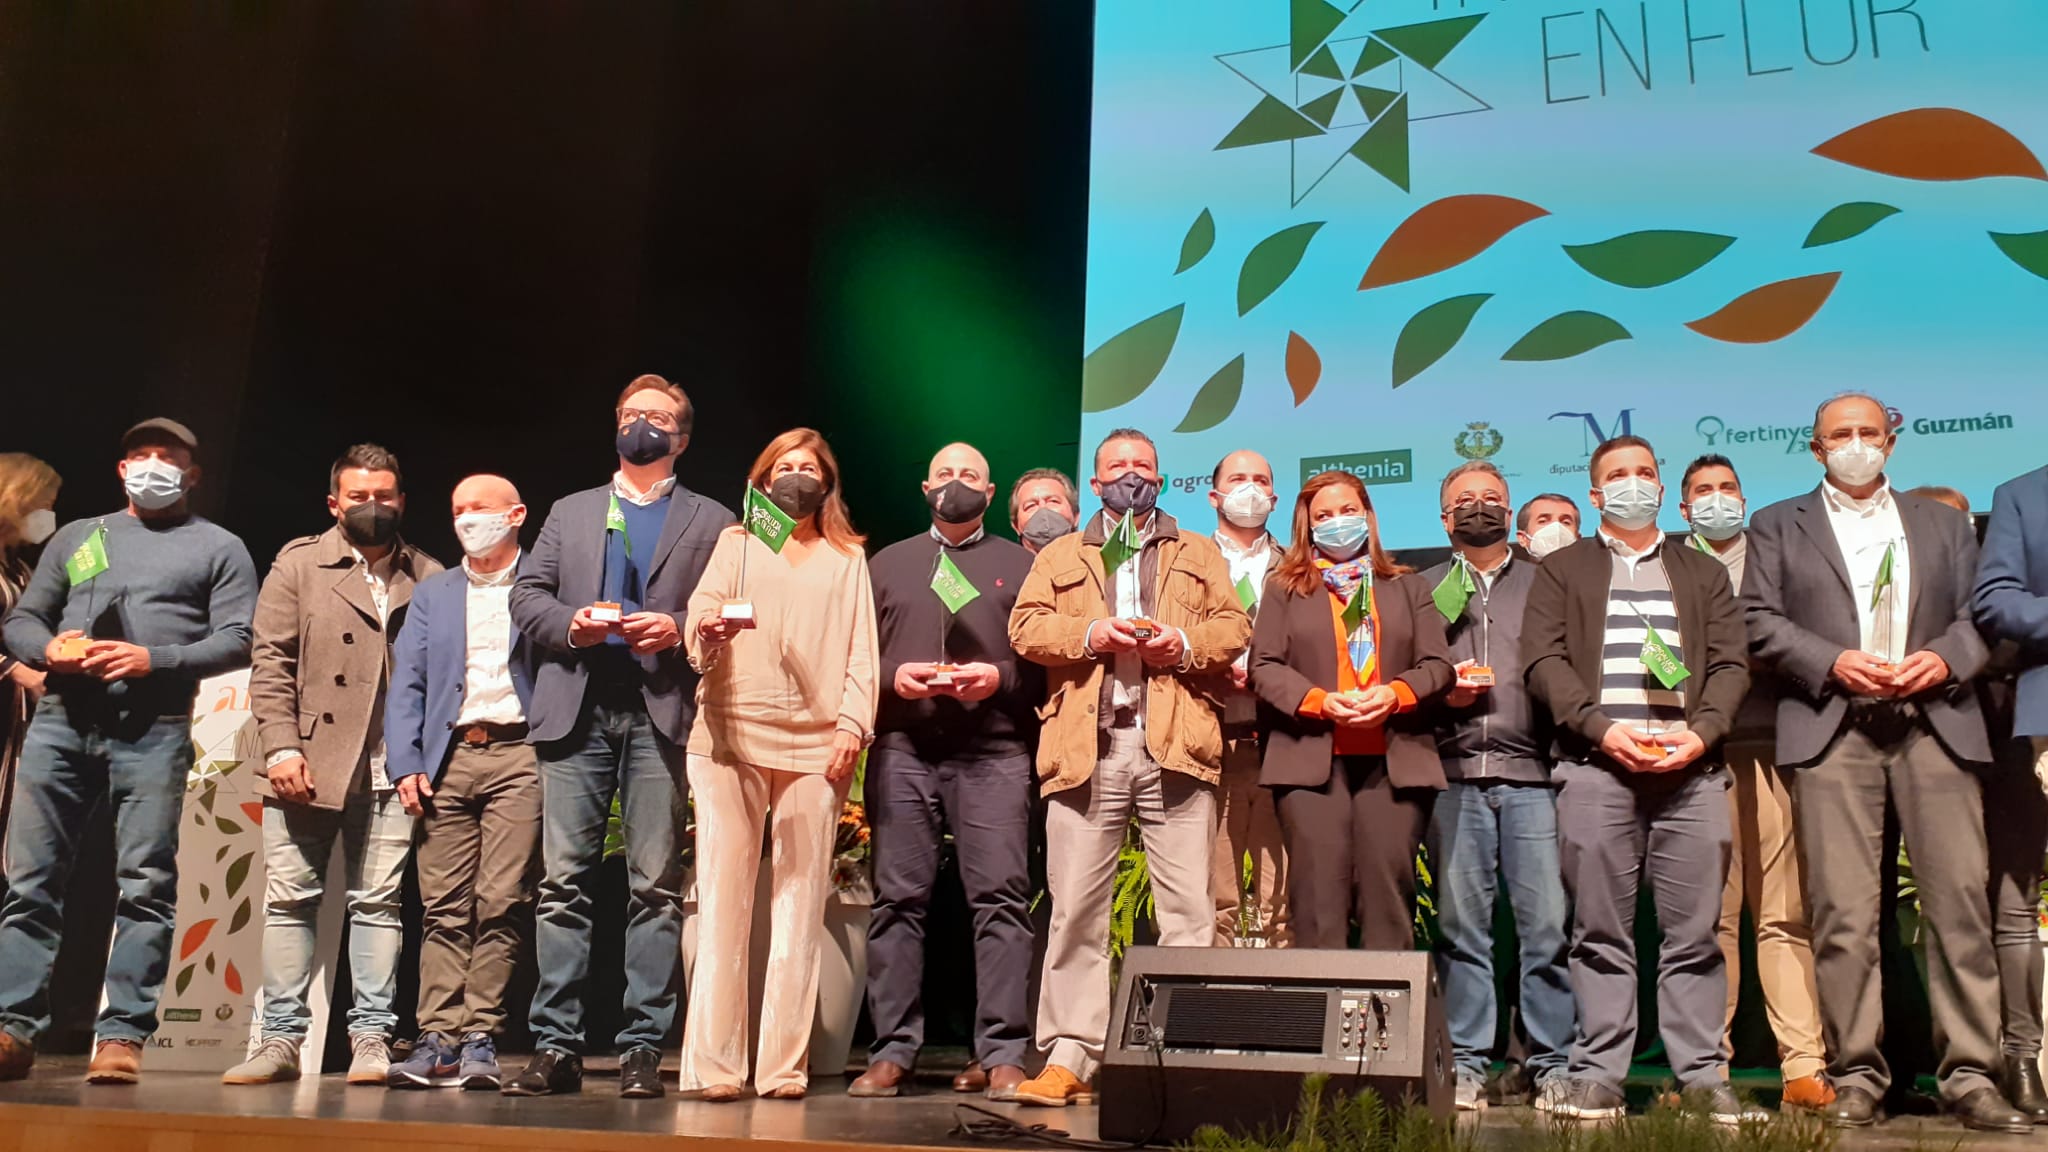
1216, 400
1200, 238
1128, 362
1270, 263
222, 854
227, 826
205, 894
2029, 250
207, 797
1433, 332
1566, 335
1648, 259
1846, 220
241, 917
209, 963
184, 979
239, 872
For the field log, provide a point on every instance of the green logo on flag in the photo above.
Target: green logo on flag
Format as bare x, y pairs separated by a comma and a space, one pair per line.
1247, 596
1121, 545
615, 521
1884, 579
954, 589
90, 559
767, 522
1355, 611
1454, 591
1658, 657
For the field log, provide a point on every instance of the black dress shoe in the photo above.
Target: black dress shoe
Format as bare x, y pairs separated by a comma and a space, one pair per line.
547, 1073
1853, 1108
2022, 1085
1986, 1111
640, 1074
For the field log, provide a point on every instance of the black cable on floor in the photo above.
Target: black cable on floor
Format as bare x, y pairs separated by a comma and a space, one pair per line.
996, 1126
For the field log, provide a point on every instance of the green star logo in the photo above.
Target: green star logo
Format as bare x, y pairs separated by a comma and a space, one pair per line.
1329, 97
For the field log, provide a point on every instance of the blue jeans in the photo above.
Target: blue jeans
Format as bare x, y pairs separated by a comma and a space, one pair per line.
611, 750
1483, 834
298, 840
67, 762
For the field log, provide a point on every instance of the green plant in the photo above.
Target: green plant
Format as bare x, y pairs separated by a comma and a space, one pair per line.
1336, 1122
1130, 895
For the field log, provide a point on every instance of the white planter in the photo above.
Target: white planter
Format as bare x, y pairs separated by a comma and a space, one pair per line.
842, 973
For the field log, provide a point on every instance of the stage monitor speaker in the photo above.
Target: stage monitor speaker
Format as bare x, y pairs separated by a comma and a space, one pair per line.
1225, 1036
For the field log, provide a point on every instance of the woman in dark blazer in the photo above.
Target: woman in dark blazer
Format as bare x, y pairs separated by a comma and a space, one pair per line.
1348, 644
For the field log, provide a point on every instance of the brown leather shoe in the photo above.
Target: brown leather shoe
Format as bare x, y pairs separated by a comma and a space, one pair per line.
1808, 1092
971, 1079
1003, 1082
883, 1079
115, 1062
17, 1056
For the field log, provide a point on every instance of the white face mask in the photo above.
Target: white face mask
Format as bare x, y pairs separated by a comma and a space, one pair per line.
1246, 506
1717, 515
1549, 538
1631, 502
38, 526
480, 533
1856, 463
154, 484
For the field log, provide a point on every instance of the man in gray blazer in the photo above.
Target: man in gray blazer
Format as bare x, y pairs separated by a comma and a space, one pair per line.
1859, 598
613, 699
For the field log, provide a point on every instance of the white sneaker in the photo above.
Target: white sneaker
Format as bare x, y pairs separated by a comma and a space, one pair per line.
1550, 1095
1471, 1092
369, 1059
275, 1061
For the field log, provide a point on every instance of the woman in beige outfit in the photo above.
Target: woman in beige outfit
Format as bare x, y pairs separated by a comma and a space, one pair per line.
784, 709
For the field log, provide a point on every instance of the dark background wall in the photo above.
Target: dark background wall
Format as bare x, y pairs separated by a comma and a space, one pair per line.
458, 228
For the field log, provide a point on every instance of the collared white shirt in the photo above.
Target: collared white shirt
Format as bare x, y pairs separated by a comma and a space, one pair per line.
980, 530
1863, 530
1486, 575
378, 577
1127, 671
624, 490
1629, 556
1252, 564
487, 693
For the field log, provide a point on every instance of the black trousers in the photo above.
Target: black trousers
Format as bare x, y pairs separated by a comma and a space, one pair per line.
987, 804
1351, 848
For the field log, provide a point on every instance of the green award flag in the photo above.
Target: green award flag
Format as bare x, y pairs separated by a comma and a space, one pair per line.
615, 521
1121, 545
954, 589
767, 522
1658, 657
1454, 591
90, 559
1884, 579
1357, 607
1247, 596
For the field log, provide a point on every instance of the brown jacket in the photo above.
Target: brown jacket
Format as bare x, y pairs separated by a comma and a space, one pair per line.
1295, 650
1063, 595
321, 658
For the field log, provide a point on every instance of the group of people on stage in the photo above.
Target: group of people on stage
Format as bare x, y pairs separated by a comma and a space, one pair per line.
1726, 716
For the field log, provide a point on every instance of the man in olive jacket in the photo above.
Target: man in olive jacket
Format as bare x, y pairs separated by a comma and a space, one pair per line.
1137, 624
324, 623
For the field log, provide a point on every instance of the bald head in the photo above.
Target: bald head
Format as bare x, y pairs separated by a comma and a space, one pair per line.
487, 519
1233, 472
959, 490
959, 462
484, 493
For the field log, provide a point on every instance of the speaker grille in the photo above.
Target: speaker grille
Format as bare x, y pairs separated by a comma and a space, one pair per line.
1249, 1019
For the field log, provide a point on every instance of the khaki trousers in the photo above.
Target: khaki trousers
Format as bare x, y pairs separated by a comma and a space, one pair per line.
479, 867
801, 813
1764, 874
1085, 829
1248, 824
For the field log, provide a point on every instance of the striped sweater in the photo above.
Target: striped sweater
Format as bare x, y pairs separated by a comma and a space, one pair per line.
1638, 599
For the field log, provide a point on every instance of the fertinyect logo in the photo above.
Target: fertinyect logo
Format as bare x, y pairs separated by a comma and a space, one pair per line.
1478, 441
1329, 96
1795, 437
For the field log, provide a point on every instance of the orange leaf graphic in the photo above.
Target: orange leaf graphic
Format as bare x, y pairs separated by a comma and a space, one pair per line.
1769, 313
195, 937
1934, 144
253, 809
1304, 367
1444, 234
232, 979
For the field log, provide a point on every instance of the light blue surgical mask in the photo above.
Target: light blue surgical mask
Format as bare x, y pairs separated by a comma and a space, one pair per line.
1631, 502
153, 484
1718, 515
1341, 537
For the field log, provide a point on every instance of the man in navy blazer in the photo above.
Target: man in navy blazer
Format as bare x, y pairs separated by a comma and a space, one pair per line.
455, 739
2011, 601
614, 696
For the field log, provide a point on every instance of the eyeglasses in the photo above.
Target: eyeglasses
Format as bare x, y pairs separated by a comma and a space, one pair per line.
661, 418
1468, 500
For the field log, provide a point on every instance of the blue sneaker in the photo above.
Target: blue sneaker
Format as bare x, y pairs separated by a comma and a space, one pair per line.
432, 1065
479, 1064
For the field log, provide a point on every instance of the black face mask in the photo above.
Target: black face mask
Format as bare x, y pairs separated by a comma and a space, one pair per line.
1132, 493
370, 525
798, 495
956, 503
1043, 527
1479, 526
643, 443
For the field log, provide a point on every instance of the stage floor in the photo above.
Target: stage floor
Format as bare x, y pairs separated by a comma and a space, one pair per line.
193, 1112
